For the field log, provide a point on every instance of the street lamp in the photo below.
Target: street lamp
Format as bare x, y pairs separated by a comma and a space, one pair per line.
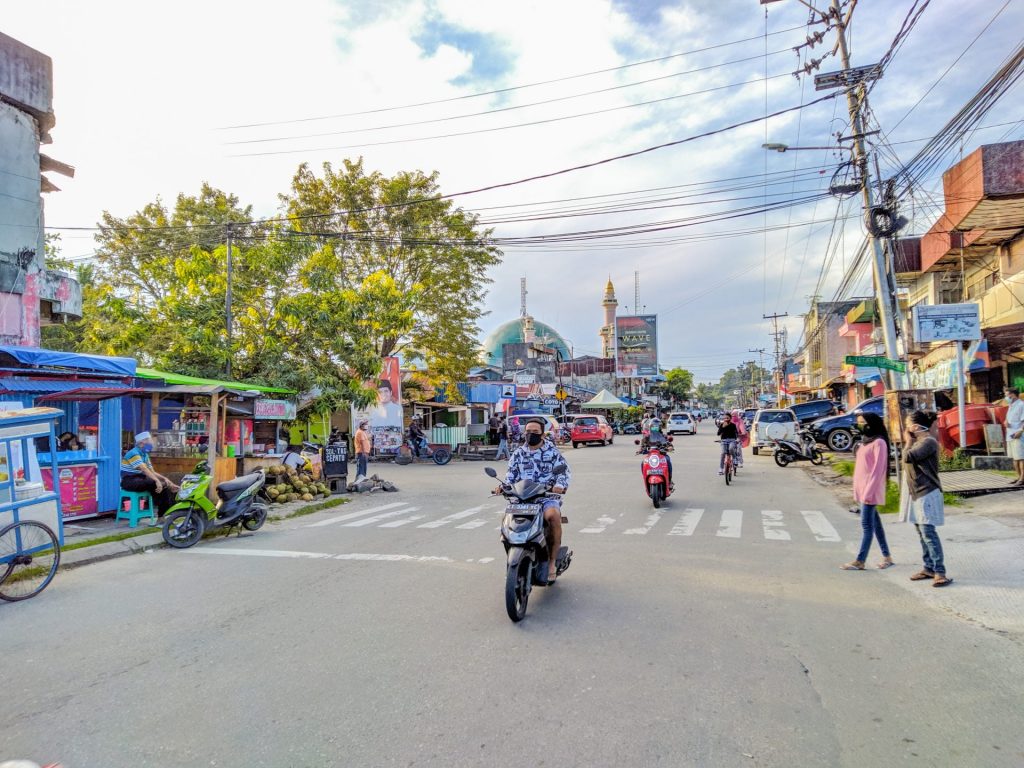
779, 147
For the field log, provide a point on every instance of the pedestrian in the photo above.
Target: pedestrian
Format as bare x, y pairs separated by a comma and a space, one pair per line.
363, 445
492, 429
870, 477
502, 440
1015, 432
921, 495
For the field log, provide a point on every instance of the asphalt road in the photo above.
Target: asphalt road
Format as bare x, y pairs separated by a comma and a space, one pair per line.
716, 632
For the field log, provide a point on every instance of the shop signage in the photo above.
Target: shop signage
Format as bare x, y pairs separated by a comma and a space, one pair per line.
278, 410
947, 322
877, 362
636, 346
78, 496
508, 391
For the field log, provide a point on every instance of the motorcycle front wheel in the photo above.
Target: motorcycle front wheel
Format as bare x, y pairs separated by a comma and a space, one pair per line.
517, 582
255, 520
782, 458
183, 528
816, 457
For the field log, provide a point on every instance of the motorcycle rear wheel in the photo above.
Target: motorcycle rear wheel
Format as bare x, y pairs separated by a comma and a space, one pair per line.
256, 519
183, 528
517, 582
656, 498
782, 458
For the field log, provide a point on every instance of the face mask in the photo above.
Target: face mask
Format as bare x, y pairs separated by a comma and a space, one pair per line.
533, 439
146, 447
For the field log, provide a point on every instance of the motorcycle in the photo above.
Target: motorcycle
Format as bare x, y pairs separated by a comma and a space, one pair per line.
655, 470
239, 502
803, 449
524, 536
407, 454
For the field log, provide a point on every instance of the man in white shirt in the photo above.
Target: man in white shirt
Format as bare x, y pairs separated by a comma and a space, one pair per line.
1015, 432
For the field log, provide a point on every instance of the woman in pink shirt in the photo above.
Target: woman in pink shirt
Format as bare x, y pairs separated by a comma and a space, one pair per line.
870, 477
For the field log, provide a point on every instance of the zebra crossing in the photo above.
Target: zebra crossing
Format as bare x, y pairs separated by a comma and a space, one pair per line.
772, 525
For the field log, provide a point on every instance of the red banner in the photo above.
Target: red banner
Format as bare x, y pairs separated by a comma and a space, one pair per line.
78, 491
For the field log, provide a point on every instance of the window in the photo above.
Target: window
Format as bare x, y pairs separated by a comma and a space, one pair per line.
585, 421
775, 417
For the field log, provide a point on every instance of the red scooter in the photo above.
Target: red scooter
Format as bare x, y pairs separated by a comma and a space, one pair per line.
655, 470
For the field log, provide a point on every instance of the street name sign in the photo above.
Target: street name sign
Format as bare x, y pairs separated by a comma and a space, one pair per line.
877, 362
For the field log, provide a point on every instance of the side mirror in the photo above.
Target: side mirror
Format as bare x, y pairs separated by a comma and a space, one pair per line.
490, 472
670, 439
636, 442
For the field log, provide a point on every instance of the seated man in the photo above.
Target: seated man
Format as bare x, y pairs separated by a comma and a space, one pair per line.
535, 460
138, 475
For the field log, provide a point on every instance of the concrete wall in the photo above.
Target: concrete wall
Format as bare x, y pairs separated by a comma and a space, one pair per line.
26, 78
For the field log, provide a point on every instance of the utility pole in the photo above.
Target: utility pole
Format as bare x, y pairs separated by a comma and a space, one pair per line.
760, 371
856, 100
228, 231
777, 336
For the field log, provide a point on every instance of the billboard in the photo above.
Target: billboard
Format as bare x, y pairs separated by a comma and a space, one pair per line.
636, 346
947, 322
385, 416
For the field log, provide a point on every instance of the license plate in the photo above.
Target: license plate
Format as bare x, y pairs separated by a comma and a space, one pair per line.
524, 507
655, 471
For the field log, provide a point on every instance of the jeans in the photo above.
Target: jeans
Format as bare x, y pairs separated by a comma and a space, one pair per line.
502, 449
361, 461
871, 522
931, 549
730, 445
419, 445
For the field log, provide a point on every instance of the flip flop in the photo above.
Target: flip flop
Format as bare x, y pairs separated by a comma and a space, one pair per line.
854, 566
922, 575
885, 564
941, 581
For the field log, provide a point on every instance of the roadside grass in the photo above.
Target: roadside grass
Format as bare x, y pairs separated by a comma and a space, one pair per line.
892, 499
310, 509
108, 539
843, 467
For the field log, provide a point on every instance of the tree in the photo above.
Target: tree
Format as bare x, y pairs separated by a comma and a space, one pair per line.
678, 384
395, 238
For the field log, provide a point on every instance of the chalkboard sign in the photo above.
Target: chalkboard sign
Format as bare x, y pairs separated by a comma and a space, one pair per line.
336, 459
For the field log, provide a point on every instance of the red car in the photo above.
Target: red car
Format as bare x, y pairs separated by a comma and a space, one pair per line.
591, 429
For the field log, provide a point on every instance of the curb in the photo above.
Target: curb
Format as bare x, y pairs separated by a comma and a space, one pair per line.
112, 549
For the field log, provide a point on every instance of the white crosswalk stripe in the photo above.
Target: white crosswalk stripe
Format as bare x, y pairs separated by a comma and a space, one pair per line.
731, 525
383, 516
400, 523
602, 524
774, 527
453, 517
353, 515
687, 523
820, 526
652, 520
472, 524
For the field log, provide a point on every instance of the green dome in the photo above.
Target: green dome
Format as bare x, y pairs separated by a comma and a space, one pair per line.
512, 333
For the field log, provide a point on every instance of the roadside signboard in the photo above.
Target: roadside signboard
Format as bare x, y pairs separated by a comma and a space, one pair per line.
508, 391
636, 346
278, 410
876, 362
947, 322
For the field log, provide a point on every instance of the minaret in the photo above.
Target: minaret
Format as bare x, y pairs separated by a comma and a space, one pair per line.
608, 330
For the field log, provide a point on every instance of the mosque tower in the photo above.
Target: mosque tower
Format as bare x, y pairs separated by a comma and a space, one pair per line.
608, 330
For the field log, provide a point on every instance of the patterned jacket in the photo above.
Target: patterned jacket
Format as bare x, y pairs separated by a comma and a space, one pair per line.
537, 465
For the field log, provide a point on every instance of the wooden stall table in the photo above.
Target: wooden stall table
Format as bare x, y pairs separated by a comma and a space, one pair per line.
176, 467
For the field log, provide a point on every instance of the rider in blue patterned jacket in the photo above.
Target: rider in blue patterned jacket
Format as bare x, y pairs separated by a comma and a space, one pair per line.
535, 460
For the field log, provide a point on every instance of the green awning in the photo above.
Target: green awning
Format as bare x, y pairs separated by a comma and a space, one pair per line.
177, 378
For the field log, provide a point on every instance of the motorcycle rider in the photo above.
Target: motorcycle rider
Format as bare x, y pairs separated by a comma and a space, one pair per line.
416, 436
535, 460
655, 437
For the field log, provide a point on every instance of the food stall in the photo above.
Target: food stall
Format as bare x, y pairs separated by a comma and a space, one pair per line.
22, 492
87, 391
232, 425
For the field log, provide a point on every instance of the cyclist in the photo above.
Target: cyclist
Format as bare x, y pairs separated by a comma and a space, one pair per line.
729, 435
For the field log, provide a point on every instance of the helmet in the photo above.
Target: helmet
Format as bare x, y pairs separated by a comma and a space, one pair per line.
655, 424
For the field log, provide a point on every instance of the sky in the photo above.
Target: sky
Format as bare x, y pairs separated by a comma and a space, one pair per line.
154, 99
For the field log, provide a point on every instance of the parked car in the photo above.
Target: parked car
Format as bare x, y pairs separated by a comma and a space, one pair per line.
838, 432
591, 429
681, 423
772, 424
812, 410
748, 417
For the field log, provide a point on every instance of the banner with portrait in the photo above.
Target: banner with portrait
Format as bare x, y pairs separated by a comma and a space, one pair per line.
386, 418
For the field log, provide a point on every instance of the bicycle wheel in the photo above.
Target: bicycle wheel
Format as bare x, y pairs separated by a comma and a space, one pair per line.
728, 472
29, 557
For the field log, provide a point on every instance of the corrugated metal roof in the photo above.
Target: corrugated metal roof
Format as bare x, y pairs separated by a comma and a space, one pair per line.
49, 385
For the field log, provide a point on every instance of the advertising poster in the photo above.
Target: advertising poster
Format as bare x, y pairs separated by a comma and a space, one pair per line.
386, 417
636, 346
78, 492
947, 322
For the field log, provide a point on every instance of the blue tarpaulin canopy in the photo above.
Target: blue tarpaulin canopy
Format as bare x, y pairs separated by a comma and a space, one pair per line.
48, 358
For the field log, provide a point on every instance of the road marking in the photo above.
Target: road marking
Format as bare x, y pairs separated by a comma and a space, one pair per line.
382, 516
400, 523
453, 517
353, 515
258, 552
774, 527
471, 524
731, 524
687, 523
486, 560
395, 558
652, 520
602, 523
820, 526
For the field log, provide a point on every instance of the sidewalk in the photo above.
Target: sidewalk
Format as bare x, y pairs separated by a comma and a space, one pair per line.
983, 543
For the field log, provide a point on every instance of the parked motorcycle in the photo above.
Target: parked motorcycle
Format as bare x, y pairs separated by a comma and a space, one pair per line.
655, 470
524, 535
803, 449
239, 502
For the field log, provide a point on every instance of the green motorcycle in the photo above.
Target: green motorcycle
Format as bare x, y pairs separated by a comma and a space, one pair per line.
239, 502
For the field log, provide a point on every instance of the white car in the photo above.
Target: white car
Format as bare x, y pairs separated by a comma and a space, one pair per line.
772, 424
681, 423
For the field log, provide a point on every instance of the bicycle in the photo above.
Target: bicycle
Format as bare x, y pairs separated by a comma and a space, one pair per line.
29, 558
730, 463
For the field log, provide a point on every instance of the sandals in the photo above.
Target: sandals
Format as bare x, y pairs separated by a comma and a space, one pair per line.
941, 580
922, 575
885, 563
856, 565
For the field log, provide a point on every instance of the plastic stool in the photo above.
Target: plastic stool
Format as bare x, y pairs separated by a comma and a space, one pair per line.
136, 509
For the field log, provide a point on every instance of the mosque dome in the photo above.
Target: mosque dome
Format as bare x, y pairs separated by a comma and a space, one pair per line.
512, 333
